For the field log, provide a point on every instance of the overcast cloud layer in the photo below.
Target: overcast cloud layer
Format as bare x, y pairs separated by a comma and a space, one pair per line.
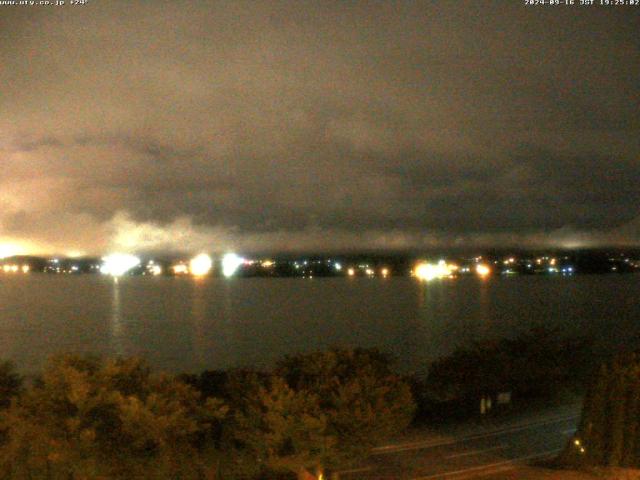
317, 125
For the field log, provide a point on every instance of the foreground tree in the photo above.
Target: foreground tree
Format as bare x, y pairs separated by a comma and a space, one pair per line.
608, 434
316, 412
362, 401
538, 363
280, 429
10, 383
85, 418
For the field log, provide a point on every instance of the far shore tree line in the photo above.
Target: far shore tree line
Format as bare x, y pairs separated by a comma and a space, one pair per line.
84, 417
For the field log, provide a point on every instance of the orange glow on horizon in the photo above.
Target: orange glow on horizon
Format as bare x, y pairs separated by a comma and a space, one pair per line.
10, 249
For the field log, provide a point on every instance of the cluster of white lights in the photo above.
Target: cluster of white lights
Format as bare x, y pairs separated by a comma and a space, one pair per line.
118, 264
429, 271
230, 264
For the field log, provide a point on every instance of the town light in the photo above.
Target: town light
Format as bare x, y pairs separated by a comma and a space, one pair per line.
180, 269
118, 264
428, 271
200, 265
155, 270
230, 264
482, 270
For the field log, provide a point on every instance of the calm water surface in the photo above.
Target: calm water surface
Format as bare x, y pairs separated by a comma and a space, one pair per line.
185, 324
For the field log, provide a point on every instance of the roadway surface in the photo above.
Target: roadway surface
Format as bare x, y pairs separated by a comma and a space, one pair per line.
471, 451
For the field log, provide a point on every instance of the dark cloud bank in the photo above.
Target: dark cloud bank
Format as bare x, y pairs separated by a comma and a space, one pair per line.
318, 125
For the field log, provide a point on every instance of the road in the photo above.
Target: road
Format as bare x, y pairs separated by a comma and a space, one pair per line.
471, 452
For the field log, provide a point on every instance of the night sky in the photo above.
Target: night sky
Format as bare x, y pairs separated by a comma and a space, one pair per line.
320, 125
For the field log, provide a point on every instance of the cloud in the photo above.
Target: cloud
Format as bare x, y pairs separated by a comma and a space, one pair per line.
269, 126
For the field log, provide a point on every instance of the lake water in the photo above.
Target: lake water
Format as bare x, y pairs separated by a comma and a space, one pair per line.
186, 324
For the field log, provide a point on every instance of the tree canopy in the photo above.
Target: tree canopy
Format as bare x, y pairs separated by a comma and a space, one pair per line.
609, 432
86, 417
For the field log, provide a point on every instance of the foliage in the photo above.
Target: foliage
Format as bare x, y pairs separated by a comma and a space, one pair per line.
538, 363
10, 383
363, 401
89, 418
84, 418
283, 429
608, 431
314, 411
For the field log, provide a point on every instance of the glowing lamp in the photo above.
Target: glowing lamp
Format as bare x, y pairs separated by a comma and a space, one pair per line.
428, 271
118, 264
483, 270
200, 265
230, 264
180, 269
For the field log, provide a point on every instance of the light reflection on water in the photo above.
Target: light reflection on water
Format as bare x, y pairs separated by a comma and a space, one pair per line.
116, 321
186, 324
